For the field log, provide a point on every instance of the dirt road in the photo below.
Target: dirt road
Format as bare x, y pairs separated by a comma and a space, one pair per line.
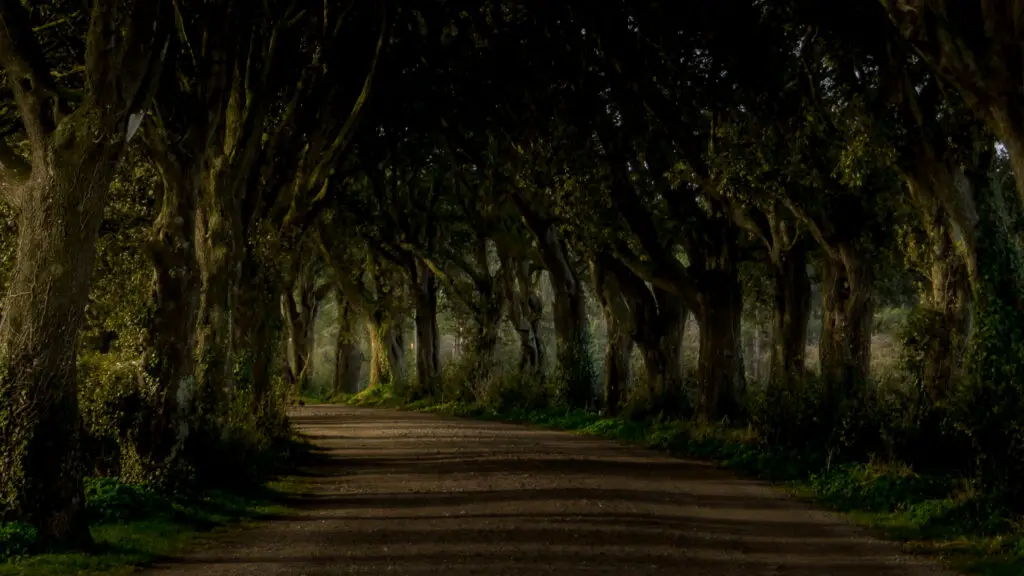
405, 493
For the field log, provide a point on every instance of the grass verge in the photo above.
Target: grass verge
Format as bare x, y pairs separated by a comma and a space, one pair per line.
134, 526
934, 516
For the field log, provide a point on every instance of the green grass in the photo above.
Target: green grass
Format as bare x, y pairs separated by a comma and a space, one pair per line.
933, 516
121, 545
133, 525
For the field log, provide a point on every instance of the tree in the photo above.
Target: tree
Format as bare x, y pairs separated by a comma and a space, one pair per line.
74, 142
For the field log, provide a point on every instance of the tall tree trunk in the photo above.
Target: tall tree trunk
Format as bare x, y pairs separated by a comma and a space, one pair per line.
60, 196
170, 343
58, 226
218, 250
848, 307
720, 370
791, 314
661, 340
348, 359
938, 342
256, 327
387, 349
428, 337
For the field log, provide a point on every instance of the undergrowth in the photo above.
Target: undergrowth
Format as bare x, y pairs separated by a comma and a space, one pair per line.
135, 524
932, 514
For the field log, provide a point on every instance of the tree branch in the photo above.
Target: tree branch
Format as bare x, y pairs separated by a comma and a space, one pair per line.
28, 73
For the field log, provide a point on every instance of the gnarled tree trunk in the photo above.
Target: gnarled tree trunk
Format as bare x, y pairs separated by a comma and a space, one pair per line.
170, 343
847, 301
58, 225
387, 349
60, 195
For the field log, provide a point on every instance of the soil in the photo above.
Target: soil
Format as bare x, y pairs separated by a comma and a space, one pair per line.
409, 493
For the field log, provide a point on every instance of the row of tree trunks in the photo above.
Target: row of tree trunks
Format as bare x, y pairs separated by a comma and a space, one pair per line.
573, 369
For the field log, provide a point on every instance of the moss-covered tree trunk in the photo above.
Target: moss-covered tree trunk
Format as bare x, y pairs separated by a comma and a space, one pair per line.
59, 191
387, 349
256, 329
348, 360
847, 300
219, 258
950, 302
170, 342
428, 337
720, 371
790, 317
61, 209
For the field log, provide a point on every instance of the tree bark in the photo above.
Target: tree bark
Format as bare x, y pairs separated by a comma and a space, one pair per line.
387, 349
720, 369
848, 307
428, 337
951, 300
348, 359
60, 194
791, 314
58, 226
170, 343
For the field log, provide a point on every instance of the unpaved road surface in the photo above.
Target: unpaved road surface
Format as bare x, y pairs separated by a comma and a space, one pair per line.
406, 493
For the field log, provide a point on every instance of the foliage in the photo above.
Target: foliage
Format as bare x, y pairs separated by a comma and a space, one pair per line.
110, 500
135, 526
16, 539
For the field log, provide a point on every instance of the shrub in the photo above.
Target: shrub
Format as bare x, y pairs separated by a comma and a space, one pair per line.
16, 540
110, 500
878, 488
